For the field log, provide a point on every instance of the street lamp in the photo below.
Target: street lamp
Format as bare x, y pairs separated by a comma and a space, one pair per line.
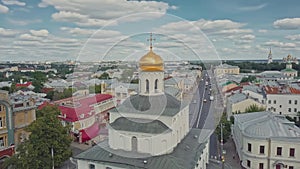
222, 156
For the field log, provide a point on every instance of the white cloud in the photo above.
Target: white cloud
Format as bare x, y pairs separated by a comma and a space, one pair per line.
13, 2
248, 37
293, 37
276, 43
29, 37
23, 22
287, 23
217, 25
252, 8
262, 31
41, 33
3, 9
78, 31
98, 13
8, 32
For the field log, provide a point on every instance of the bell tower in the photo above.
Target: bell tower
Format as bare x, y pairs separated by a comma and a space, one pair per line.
151, 73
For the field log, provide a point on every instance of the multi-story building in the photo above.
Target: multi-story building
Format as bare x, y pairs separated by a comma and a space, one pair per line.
239, 102
86, 114
226, 69
16, 113
283, 100
265, 140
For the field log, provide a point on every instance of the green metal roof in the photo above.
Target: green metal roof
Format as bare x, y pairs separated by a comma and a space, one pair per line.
184, 156
139, 125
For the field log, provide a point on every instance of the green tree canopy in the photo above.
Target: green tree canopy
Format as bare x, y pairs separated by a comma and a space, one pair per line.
254, 108
47, 133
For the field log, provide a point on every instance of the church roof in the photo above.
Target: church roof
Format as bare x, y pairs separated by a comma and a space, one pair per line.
151, 62
139, 125
184, 156
162, 105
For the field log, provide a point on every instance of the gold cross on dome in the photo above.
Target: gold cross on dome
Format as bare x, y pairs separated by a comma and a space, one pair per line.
150, 40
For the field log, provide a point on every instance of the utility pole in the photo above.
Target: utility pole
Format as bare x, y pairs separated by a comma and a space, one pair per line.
222, 154
52, 155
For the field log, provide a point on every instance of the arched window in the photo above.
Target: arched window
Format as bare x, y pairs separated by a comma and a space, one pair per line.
147, 85
134, 144
156, 84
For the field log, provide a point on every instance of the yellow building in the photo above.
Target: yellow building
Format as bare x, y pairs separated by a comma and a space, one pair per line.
227, 69
16, 113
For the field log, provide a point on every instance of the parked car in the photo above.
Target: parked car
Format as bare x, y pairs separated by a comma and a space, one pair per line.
211, 98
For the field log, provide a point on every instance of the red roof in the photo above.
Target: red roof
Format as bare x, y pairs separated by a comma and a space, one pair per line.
46, 90
24, 84
80, 107
89, 133
294, 90
233, 89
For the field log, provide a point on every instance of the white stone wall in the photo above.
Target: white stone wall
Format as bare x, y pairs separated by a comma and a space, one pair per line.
282, 105
151, 143
151, 76
270, 150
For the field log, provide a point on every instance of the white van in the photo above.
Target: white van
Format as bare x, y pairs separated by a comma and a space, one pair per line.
211, 98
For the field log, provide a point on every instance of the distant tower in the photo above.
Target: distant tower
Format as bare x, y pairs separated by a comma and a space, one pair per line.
270, 60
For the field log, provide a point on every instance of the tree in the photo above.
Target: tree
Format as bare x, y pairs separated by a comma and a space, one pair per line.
104, 76
47, 133
226, 128
254, 108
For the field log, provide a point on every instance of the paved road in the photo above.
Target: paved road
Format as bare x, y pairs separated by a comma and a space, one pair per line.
206, 115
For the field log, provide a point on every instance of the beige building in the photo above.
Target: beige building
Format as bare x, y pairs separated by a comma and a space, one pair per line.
239, 102
226, 69
16, 113
264, 140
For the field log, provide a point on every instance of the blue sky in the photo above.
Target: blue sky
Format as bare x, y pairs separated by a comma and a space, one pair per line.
232, 29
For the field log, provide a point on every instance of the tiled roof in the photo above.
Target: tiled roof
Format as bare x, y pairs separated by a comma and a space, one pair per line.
23, 84
82, 107
78, 108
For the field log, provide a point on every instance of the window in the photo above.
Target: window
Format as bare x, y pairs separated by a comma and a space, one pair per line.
289, 109
1, 142
292, 152
156, 84
280, 106
274, 101
278, 166
295, 110
91, 166
248, 163
1, 125
269, 101
296, 102
261, 165
0, 107
262, 149
108, 168
291, 167
147, 85
290, 101
279, 151
249, 147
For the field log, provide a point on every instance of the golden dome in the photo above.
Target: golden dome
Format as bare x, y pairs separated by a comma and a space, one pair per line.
151, 62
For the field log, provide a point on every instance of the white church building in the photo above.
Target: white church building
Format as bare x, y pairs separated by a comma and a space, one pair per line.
149, 129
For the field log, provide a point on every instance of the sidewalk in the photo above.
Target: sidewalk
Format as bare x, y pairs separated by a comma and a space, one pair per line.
231, 156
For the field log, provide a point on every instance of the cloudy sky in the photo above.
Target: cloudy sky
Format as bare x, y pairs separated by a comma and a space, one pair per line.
116, 29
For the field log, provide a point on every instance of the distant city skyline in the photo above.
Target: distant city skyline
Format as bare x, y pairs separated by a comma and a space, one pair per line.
40, 30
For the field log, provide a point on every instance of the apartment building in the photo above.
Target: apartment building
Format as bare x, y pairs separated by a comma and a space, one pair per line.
283, 100
265, 140
16, 113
